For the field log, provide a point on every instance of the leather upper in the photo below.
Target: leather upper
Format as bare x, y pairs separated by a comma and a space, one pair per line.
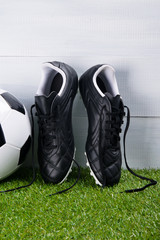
56, 142
103, 154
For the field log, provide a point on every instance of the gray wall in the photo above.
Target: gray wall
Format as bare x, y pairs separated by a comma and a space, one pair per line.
125, 34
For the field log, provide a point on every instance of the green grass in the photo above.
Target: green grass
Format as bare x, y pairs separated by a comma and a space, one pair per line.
85, 212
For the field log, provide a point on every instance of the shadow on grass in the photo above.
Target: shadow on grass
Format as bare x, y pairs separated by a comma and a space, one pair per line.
23, 176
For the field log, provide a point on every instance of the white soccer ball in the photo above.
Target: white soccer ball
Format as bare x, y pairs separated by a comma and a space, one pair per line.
15, 134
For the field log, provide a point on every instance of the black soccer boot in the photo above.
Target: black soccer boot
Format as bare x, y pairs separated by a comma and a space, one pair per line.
105, 110
54, 100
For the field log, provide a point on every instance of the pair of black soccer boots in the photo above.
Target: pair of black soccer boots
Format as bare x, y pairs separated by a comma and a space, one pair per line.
105, 109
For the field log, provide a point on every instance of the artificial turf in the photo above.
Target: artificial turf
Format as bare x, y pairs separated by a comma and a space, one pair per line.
85, 212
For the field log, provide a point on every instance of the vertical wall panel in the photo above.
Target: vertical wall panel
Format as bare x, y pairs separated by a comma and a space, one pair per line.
125, 34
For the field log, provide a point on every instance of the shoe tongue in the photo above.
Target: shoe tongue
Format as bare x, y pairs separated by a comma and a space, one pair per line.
44, 103
115, 101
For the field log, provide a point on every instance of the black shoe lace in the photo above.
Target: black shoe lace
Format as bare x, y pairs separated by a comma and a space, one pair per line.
151, 181
113, 127
33, 162
78, 177
48, 126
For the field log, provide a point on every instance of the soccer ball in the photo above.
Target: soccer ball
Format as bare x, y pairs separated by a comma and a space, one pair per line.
15, 134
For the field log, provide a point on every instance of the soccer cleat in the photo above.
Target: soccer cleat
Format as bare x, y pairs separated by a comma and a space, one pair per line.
100, 94
53, 101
